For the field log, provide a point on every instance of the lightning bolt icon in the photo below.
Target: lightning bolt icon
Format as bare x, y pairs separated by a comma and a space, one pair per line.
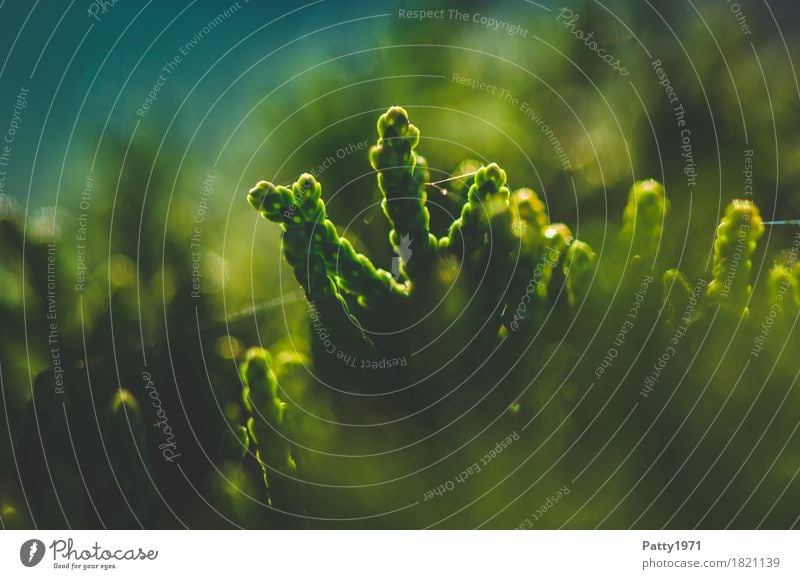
403, 255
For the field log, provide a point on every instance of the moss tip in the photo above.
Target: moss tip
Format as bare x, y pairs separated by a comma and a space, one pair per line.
257, 194
490, 179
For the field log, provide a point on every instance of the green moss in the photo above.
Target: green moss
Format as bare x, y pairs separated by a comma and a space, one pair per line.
267, 426
578, 268
643, 218
737, 236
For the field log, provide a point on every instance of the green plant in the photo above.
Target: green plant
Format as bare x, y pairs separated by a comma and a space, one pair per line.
491, 221
737, 236
498, 276
267, 429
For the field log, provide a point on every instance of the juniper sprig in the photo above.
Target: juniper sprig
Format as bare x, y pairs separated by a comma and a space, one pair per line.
529, 224
643, 217
556, 238
532, 219
402, 175
487, 196
737, 236
796, 283
498, 341
677, 293
267, 425
313, 247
